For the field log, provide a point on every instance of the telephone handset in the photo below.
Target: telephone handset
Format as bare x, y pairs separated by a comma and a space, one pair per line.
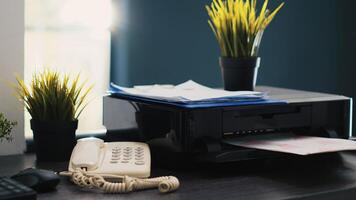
93, 161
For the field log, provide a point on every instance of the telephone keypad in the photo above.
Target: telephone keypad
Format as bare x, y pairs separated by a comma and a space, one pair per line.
115, 155
128, 155
139, 156
140, 162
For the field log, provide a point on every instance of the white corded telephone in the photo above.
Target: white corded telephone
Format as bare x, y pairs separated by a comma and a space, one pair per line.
94, 162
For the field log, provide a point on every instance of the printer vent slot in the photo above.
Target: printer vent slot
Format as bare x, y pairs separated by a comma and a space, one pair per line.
267, 113
298, 131
267, 116
266, 119
243, 132
250, 132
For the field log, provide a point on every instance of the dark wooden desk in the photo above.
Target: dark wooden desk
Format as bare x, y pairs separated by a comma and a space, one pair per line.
305, 178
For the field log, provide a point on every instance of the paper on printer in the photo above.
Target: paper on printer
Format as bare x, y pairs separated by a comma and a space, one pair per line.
187, 91
293, 144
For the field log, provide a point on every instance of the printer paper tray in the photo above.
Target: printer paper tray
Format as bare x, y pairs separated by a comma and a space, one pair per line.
293, 144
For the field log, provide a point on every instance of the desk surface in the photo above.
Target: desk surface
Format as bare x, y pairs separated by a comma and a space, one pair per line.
324, 177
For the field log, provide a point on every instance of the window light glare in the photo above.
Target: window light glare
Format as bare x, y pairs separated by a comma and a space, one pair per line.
91, 14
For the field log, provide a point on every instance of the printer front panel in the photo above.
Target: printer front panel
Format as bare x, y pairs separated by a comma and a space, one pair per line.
207, 128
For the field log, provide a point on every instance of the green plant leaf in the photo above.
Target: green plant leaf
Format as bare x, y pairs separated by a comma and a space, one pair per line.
53, 97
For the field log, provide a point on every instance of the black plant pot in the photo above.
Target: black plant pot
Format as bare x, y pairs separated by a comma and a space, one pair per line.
54, 140
239, 74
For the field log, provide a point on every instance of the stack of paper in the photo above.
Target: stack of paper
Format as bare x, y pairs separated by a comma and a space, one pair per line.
189, 91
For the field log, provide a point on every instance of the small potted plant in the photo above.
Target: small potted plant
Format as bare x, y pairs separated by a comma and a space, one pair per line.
6, 128
54, 103
238, 28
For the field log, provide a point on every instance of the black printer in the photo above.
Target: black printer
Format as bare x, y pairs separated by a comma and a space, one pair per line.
202, 132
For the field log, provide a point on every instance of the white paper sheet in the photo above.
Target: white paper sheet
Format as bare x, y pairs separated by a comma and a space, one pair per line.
289, 143
189, 90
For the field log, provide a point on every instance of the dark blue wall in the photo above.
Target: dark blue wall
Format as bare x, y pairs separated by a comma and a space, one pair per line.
167, 41
310, 45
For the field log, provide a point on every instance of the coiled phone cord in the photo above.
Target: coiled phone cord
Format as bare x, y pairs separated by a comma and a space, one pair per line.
165, 183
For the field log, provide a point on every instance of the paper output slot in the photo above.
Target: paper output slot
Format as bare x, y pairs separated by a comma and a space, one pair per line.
267, 118
293, 144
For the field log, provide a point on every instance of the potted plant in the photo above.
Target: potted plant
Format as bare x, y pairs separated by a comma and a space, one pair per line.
238, 28
6, 128
54, 103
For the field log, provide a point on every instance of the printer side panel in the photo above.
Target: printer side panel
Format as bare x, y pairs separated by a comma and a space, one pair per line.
332, 119
349, 107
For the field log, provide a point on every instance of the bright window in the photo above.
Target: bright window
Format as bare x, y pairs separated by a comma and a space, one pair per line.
70, 36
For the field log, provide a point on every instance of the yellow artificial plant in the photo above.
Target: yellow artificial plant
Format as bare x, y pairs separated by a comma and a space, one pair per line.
238, 26
53, 97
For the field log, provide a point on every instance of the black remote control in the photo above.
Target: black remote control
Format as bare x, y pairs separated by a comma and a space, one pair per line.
13, 190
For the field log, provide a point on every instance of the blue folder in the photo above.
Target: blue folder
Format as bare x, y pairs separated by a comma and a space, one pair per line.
210, 103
